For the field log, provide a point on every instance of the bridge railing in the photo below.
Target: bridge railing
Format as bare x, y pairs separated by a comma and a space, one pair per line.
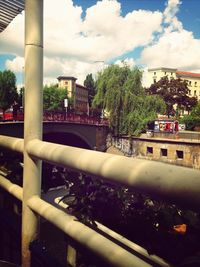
177, 184
58, 116
73, 118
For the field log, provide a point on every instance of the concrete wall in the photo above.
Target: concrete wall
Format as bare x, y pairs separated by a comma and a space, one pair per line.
183, 153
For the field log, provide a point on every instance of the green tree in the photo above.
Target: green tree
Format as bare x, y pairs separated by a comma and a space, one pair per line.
175, 94
110, 93
89, 83
193, 119
120, 93
54, 98
140, 110
8, 89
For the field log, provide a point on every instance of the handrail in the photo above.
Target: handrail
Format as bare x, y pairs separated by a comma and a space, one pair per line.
13, 189
176, 184
104, 248
12, 143
17, 192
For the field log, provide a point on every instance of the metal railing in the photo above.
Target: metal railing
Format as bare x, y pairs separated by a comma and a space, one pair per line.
59, 116
177, 184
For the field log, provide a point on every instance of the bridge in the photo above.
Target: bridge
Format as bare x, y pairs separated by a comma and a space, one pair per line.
81, 134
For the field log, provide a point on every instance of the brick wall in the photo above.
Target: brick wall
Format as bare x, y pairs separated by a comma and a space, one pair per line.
183, 153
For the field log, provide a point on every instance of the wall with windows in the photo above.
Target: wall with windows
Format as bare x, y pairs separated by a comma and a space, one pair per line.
193, 79
155, 74
183, 153
77, 91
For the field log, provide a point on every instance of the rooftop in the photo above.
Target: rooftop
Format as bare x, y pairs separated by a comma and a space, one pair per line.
188, 74
66, 78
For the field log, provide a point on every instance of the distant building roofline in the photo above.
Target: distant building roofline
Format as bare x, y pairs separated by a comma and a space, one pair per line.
188, 74
66, 78
162, 68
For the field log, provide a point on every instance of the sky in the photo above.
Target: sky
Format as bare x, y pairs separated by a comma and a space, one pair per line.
85, 36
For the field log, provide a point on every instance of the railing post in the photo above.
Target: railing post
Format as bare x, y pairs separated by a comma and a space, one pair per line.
33, 118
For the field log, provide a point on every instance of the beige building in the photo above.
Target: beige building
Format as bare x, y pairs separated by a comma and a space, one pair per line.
78, 92
193, 79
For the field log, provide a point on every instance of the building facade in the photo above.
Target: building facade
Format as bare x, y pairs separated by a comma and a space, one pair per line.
77, 92
193, 79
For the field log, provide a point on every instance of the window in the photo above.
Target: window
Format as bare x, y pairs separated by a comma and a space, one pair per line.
163, 152
154, 73
190, 83
195, 92
154, 80
179, 154
149, 150
171, 73
189, 92
195, 84
165, 73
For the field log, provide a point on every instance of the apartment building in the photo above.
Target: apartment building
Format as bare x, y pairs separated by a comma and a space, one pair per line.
193, 79
78, 92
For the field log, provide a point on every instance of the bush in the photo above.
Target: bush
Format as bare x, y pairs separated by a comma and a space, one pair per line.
141, 219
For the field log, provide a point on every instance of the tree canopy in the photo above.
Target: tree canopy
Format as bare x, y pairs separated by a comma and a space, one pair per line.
121, 95
89, 83
8, 89
193, 119
54, 98
175, 94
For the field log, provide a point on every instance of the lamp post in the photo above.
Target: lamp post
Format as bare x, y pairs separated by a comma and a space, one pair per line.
66, 106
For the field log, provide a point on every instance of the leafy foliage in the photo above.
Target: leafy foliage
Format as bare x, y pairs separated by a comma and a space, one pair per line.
173, 92
89, 83
193, 119
8, 89
141, 219
54, 98
121, 95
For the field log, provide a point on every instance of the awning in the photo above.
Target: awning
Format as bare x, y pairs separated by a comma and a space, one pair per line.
9, 9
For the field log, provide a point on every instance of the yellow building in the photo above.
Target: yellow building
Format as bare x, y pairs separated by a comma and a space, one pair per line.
193, 79
78, 92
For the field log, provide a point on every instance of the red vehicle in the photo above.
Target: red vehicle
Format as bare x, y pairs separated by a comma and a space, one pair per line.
10, 115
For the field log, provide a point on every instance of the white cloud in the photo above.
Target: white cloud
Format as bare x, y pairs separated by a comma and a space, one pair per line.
175, 47
15, 65
73, 43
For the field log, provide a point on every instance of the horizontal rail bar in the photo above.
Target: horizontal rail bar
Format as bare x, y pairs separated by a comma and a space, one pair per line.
13, 189
143, 252
176, 184
104, 248
12, 143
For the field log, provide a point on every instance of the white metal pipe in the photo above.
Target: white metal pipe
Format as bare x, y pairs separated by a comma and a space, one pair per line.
104, 248
177, 184
33, 118
12, 143
12, 188
151, 258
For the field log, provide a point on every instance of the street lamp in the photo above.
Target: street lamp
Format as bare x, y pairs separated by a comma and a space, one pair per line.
66, 106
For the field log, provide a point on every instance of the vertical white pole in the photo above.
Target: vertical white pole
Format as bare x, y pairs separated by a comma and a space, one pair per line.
33, 118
